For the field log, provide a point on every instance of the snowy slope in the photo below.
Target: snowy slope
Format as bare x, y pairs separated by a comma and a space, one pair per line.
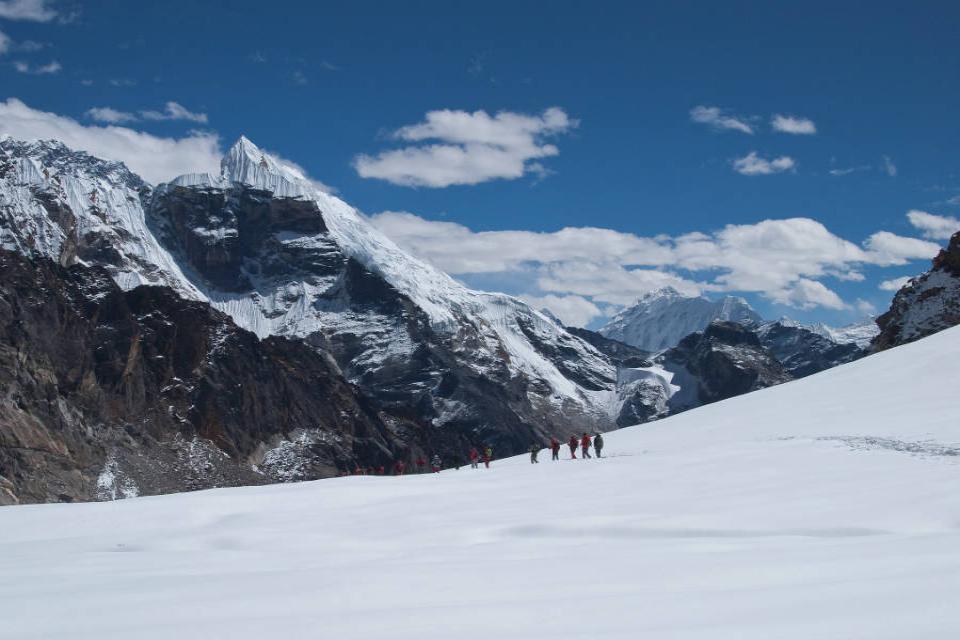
822, 508
661, 318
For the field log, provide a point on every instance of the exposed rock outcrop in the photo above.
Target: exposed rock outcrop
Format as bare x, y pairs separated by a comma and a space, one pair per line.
926, 304
107, 393
723, 361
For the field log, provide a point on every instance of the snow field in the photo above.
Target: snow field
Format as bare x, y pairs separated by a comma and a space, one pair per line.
822, 508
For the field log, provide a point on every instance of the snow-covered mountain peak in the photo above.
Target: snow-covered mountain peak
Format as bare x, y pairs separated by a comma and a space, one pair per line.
40, 161
661, 318
663, 293
246, 163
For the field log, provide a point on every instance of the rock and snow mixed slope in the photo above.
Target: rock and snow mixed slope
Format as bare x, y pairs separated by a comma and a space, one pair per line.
822, 508
926, 304
445, 365
660, 319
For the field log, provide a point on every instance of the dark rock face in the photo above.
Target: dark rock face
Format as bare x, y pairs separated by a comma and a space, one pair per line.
142, 392
445, 386
620, 353
723, 361
927, 304
803, 352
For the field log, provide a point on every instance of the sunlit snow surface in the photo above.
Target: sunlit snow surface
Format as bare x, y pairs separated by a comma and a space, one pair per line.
822, 508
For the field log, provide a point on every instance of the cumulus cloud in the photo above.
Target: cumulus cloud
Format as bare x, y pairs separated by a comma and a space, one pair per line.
38, 70
458, 249
808, 294
171, 111
155, 158
28, 10
5, 43
753, 165
887, 249
468, 148
895, 284
574, 311
715, 118
783, 260
933, 226
793, 124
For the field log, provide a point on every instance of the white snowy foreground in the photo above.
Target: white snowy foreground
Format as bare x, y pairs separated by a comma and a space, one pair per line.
824, 508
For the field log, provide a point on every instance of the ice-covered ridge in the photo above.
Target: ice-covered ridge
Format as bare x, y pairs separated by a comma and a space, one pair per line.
105, 200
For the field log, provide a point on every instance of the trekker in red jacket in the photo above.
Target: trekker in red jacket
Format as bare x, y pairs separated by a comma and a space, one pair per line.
573, 447
474, 457
555, 448
585, 446
398, 468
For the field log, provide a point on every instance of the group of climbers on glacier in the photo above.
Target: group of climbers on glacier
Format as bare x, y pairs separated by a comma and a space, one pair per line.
584, 442
485, 455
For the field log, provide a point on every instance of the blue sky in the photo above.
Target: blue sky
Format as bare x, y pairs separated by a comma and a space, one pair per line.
879, 83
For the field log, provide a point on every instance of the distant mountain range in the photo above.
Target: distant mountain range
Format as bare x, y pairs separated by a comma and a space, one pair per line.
248, 327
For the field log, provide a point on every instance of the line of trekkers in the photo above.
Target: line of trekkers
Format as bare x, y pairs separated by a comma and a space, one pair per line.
485, 455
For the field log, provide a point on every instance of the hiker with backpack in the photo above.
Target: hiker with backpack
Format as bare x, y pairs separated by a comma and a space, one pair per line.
585, 446
598, 444
487, 456
474, 457
573, 447
435, 463
555, 448
534, 450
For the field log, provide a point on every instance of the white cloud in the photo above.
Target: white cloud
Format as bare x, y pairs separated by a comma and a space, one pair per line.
38, 70
574, 311
29, 10
174, 111
887, 249
955, 200
895, 284
889, 167
933, 226
715, 118
753, 165
793, 124
155, 158
5, 43
609, 282
808, 294
783, 260
471, 148
865, 307
457, 249
107, 114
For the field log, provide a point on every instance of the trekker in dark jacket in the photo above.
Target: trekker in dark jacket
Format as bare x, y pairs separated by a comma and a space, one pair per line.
398, 468
435, 463
573, 447
585, 446
598, 444
555, 448
534, 450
